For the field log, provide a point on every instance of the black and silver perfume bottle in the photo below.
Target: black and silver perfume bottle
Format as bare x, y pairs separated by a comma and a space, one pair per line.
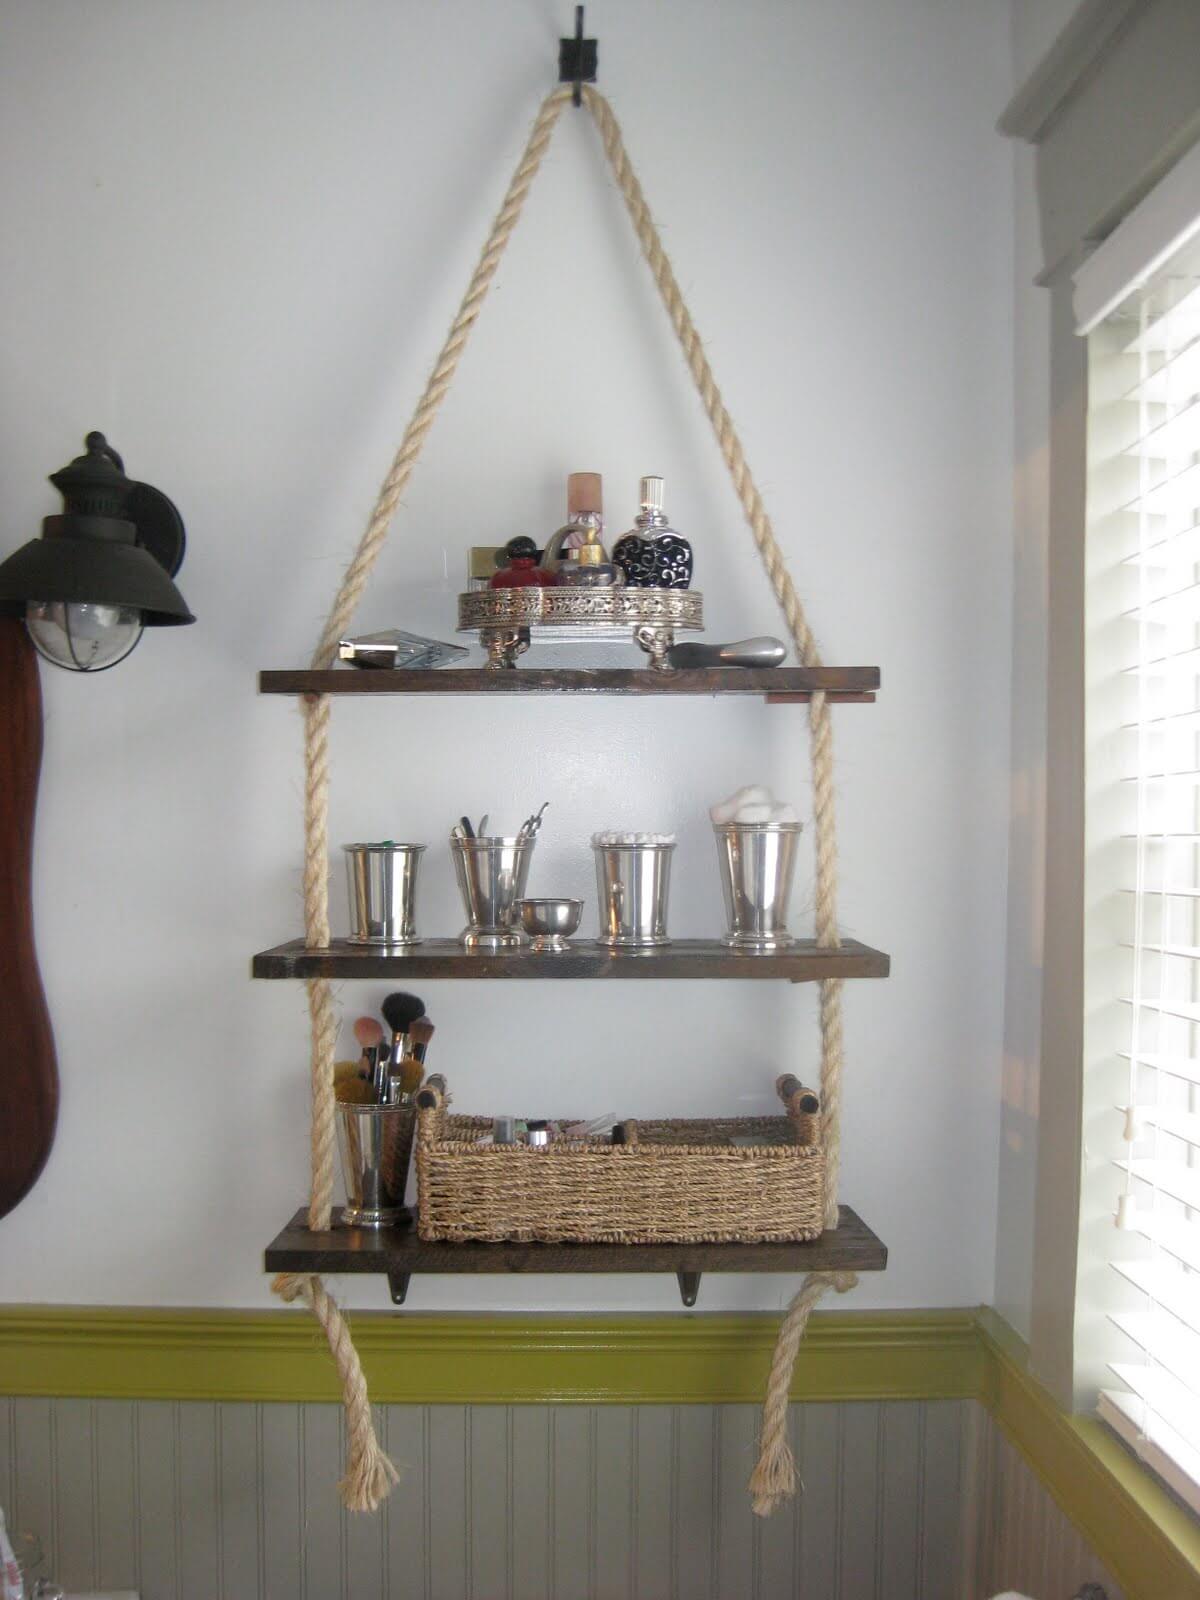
652, 555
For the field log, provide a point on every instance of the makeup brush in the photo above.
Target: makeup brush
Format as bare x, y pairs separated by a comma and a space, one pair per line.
419, 1035
400, 1011
368, 1031
410, 1072
349, 1085
369, 1034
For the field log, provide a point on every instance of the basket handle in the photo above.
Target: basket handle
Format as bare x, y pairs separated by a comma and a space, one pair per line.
803, 1107
431, 1109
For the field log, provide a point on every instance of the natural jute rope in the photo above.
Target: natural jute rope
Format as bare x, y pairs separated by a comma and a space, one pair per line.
369, 1473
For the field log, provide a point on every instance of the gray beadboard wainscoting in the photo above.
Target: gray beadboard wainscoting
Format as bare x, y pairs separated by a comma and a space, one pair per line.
1025, 1542
920, 1500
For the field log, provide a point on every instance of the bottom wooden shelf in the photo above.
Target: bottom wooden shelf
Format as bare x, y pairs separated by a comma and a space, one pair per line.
397, 1253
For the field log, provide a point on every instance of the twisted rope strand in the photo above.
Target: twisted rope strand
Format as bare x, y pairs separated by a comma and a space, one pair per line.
355, 578
820, 721
370, 1474
774, 1478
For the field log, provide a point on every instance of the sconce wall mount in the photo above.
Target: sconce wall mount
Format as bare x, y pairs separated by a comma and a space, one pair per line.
102, 569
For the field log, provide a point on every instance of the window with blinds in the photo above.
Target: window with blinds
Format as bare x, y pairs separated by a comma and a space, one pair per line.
1139, 1278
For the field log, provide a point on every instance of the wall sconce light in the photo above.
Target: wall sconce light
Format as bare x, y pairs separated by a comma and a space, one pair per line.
102, 570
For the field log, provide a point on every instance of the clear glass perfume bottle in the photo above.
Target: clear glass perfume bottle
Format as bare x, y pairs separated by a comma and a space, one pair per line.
591, 568
652, 555
585, 522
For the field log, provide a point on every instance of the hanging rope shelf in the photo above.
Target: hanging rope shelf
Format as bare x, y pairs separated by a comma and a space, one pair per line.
369, 1474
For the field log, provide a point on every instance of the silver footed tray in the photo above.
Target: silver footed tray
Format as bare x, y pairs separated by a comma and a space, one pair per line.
505, 618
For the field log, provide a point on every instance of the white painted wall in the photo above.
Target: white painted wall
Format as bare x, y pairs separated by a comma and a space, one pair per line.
1027, 828
234, 237
1036, 26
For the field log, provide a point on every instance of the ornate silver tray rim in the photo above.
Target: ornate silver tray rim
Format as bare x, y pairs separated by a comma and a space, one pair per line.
556, 608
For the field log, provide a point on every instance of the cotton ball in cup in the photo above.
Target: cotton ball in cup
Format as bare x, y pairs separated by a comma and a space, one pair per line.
785, 812
729, 810
754, 813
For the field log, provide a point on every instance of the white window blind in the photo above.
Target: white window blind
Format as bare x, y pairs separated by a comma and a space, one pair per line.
1144, 870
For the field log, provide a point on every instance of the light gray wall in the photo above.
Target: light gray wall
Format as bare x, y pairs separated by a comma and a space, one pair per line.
236, 1502
242, 271
1036, 25
1027, 829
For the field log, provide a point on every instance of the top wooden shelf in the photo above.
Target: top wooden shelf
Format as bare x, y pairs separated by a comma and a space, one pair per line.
779, 685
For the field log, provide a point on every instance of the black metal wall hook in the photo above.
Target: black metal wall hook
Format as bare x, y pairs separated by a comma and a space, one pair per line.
577, 60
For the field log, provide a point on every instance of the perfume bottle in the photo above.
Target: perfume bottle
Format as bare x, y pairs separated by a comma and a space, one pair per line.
585, 520
652, 555
522, 571
591, 568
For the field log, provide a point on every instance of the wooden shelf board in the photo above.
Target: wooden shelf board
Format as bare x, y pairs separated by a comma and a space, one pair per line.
779, 685
803, 962
851, 1247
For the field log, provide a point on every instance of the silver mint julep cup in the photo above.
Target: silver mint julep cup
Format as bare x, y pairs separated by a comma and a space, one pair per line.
491, 873
757, 862
375, 1143
383, 892
633, 883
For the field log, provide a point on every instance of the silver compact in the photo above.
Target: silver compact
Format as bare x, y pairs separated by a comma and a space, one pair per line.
395, 648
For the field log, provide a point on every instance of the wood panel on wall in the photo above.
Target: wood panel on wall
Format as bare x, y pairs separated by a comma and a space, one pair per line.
188, 1500
1024, 1541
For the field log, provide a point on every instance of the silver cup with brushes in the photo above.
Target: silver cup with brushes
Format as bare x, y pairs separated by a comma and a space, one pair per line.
375, 1143
376, 1109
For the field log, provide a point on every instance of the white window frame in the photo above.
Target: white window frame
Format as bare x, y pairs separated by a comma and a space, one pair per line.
1132, 299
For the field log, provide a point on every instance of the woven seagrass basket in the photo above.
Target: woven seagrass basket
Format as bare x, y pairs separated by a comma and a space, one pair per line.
675, 1182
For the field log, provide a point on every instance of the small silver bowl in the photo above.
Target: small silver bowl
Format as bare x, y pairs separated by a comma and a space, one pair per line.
549, 923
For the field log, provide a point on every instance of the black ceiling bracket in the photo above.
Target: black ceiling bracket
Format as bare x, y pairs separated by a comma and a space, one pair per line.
577, 60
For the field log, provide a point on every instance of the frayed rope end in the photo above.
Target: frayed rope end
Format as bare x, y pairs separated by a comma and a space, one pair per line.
368, 1482
773, 1480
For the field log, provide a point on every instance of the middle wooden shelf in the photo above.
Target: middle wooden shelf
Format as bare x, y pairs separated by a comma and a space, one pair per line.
802, 962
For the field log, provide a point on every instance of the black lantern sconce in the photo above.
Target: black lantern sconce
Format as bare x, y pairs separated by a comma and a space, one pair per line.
102, 570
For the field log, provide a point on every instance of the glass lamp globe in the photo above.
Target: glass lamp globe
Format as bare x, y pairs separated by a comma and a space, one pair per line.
102, 569
80, 635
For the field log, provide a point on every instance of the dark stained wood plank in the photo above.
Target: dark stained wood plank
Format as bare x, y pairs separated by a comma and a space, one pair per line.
28, 1068
803, 962
851, 1246
779, 684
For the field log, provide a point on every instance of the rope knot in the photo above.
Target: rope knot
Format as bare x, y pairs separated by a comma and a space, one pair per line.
291, 1286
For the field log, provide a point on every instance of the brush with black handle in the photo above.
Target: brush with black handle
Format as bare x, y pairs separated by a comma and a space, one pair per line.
400, 1011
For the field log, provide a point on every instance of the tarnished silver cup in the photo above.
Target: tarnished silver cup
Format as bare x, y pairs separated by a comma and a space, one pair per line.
383, 892
375, 1143
491, 875
633, 883
757, 861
